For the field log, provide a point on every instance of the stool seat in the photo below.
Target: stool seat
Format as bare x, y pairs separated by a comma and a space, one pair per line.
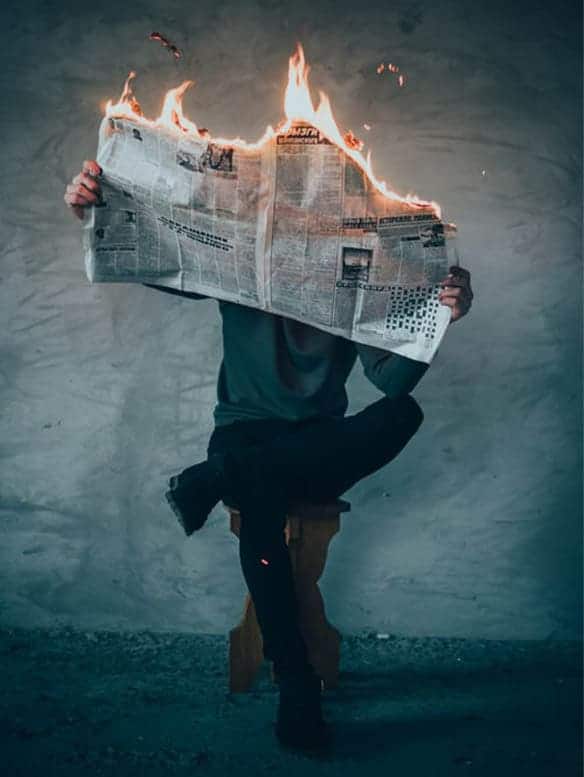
310, 510
308, 531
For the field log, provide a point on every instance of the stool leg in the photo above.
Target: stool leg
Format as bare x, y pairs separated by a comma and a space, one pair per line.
245, 650
308, 543
245, 640
308, 553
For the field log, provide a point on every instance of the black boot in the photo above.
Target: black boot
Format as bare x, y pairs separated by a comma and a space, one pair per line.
300, 724
195, 492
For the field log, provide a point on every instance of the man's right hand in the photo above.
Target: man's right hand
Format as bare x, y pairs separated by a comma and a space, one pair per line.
84, 190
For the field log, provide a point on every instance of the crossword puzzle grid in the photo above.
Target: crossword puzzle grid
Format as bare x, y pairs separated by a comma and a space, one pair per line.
413, 310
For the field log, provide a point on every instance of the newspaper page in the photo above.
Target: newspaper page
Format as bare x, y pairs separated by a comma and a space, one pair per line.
293, 227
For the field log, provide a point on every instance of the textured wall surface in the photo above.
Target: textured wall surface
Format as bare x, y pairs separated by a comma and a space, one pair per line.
107, 390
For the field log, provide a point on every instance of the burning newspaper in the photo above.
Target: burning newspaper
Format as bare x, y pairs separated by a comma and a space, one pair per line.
295, 224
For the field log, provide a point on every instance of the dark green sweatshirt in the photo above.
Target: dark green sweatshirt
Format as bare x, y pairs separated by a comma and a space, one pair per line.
275, 367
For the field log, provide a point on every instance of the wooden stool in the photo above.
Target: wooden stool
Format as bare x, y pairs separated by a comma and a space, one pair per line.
308, 531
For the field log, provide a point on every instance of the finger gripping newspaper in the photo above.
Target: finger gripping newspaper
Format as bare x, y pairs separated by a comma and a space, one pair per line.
293, 227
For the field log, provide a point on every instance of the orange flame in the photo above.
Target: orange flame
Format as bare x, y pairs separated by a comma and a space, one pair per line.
172, 111
298, 106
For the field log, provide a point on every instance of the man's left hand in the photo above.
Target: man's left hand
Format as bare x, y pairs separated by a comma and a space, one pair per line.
456, 292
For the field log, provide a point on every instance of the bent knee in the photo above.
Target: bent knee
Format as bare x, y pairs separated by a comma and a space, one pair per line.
411, 412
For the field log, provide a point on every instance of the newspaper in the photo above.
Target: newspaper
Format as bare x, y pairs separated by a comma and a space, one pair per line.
293, 227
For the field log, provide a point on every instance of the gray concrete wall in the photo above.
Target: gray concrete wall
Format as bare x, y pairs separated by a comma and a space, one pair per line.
107, 390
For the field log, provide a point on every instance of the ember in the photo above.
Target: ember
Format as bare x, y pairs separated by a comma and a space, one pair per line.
174, 50
352, 141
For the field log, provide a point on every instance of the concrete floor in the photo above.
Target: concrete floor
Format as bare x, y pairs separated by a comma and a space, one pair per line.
145, 703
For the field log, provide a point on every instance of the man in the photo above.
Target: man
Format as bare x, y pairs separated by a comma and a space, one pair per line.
281, 436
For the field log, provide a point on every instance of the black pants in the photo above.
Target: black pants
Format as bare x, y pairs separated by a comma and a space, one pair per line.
273, 463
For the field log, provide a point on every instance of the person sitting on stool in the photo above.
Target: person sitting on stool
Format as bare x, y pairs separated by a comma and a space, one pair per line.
281, 436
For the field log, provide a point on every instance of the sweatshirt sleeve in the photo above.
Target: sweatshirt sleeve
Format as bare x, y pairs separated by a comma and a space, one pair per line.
176, 292
391, 373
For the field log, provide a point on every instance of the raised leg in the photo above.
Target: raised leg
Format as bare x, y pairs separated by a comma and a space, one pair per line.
321, 458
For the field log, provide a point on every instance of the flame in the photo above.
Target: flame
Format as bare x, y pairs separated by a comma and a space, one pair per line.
298, 107
127, 106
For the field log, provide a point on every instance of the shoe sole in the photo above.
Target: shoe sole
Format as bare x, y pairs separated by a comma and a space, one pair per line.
176, 510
